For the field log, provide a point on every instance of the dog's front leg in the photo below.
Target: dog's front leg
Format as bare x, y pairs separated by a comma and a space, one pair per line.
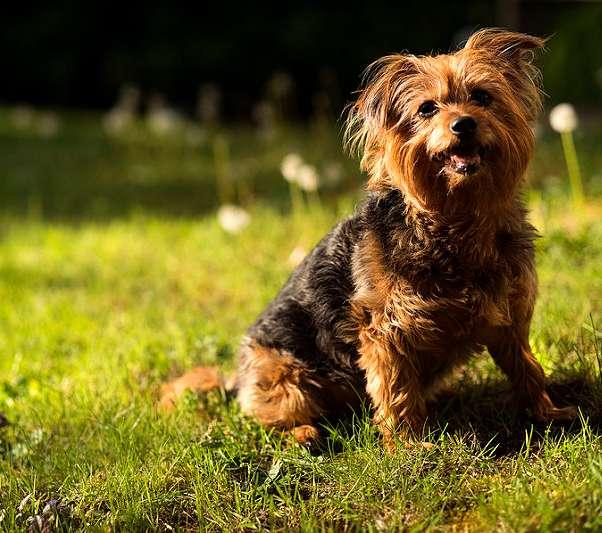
512, 353
393, 386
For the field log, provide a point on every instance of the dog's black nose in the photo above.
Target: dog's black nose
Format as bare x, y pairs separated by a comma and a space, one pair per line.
463, 125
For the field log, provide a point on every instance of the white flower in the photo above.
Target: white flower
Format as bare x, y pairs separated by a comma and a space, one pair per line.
48, 124
232, 218
296, 256
290, 166
123, 113
22, 117
117, 120
163, 121
563, 118
307, 178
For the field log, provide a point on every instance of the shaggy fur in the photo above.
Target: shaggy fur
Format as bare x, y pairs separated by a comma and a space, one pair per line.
435, 265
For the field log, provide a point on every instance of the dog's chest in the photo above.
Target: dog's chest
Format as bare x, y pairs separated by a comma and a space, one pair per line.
434, 294
452, 297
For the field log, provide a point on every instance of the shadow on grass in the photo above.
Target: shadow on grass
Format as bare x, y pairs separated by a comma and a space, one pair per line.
485, 413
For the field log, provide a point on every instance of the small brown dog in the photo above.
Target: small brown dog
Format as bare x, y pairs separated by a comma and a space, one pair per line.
435, 265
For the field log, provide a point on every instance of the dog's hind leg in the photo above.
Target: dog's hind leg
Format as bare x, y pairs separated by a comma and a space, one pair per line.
281, 391
276, 388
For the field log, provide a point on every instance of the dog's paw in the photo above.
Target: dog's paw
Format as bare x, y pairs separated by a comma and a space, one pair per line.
391, 443
306, 435
417, 445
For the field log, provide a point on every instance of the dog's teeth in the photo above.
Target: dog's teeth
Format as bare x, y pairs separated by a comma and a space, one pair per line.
473, 159
465, 164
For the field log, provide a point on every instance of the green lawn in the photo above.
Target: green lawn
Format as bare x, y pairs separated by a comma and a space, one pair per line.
115, 276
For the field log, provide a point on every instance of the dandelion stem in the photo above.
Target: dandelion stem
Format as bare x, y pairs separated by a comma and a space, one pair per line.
297, 203
570, 156
313, 198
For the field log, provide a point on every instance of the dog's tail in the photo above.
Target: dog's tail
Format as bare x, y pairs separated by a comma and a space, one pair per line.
199, 380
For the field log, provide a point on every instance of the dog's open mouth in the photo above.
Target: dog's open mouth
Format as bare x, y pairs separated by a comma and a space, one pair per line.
463, 160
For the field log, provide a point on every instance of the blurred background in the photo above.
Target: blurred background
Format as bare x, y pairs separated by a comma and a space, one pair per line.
110, 108
162, 170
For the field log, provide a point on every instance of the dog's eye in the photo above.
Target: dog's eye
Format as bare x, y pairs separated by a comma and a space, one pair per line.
480, 97
427, 109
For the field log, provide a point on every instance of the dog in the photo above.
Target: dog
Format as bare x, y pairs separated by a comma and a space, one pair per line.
436, 264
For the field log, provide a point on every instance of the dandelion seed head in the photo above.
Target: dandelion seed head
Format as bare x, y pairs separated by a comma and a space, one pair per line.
117, 120
307, 178
22, 117
290, 166
233, 218
563, 118
163, 121
48, 124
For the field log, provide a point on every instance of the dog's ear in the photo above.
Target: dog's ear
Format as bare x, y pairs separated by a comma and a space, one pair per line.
379, 104
512, 46
514, 52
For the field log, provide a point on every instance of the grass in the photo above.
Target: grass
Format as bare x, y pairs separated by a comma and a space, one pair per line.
115, 276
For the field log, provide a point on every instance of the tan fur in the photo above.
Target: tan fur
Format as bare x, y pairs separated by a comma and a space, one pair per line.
282, 392
277, 389
199, 380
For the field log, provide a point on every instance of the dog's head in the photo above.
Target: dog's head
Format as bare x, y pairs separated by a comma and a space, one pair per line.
451, 131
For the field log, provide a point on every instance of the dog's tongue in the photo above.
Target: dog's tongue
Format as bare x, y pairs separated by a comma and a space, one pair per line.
465, 163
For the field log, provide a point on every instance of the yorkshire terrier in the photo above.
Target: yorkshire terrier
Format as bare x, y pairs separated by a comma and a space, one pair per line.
435, 265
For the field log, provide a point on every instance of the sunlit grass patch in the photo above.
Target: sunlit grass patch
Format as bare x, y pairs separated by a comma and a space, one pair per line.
98, 311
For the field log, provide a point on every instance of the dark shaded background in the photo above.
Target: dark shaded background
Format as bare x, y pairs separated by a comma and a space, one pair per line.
80, 54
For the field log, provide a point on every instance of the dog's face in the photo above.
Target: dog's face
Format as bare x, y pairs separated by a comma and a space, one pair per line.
451, 129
